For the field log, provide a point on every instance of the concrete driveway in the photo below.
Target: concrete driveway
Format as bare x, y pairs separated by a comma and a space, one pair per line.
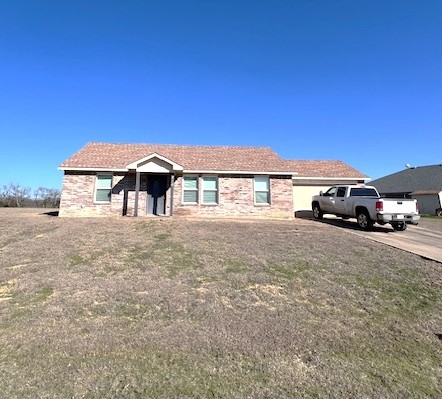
417, 240
420, 240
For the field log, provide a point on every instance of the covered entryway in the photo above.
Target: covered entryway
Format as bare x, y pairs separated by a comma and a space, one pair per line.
156, 194
160, 173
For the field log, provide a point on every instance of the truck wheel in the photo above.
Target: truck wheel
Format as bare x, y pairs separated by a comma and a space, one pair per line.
364, 221
317, 213
400, 226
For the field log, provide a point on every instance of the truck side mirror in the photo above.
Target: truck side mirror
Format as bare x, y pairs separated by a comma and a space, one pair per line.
321, 193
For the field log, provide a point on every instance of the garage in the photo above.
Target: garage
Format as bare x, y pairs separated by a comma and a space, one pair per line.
302, 195
314, 176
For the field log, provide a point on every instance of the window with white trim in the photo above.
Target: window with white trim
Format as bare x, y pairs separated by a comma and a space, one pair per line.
190, 189
210, 189
262, 190
103, 188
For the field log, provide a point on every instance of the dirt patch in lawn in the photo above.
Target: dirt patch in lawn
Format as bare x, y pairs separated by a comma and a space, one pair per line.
170, 308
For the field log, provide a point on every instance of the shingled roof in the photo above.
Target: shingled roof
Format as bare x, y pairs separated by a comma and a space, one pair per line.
112, 156
191, 158
420, 178
324, 169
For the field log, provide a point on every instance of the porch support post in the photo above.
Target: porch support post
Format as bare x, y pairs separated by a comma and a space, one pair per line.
172, 180
137, 192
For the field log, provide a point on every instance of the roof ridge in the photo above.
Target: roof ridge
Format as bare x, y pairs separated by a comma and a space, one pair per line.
182, 145
315, 160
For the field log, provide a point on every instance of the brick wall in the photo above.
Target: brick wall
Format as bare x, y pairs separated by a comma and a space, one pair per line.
236, 199
77, 196
235, 194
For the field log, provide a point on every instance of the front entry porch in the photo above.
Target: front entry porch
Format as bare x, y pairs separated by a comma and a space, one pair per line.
153, 194
159, 175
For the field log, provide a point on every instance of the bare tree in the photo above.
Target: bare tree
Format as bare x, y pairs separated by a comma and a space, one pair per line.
19, 194
5, 196
47, 197
38, 194
14, 195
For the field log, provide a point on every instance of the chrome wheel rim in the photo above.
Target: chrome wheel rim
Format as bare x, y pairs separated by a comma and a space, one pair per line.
362, 220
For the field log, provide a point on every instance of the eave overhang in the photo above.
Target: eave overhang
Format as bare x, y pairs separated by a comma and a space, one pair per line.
238, 172
331, 178
88, 169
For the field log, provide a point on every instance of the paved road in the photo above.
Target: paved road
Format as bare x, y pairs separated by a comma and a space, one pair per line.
418, 240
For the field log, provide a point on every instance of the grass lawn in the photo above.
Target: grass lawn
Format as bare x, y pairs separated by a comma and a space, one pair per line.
170, 308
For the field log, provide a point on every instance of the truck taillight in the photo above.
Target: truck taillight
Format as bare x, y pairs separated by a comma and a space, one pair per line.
379, 206
417, 207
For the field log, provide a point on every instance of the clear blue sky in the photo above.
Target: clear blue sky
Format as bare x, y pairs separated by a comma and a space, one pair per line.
359, 81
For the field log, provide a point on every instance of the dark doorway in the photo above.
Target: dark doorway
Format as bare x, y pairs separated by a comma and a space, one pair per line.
156, 194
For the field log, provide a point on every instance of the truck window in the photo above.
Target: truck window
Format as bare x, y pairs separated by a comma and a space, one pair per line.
330, 192
341, 192
363, 192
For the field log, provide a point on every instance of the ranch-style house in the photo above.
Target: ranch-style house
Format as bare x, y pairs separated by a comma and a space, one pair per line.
105, 179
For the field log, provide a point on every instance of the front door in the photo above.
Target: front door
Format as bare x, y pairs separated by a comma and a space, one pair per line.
156, 194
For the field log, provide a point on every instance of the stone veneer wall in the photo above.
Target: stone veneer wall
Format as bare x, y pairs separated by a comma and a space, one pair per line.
236, 199
235, 193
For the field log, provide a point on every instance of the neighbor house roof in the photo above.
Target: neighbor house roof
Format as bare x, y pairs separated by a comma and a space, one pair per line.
419, 178
324, 169
192, 158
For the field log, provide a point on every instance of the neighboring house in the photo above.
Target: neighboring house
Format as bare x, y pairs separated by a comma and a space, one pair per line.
105, 179
315, 176
421, 182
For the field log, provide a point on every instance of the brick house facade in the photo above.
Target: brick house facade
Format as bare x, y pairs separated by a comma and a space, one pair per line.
105, 179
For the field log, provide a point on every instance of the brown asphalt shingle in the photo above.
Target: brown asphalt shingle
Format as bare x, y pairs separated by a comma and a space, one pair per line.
312, 168
206, 158
198, 158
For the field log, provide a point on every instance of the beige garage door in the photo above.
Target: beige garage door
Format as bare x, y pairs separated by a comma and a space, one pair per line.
302, 196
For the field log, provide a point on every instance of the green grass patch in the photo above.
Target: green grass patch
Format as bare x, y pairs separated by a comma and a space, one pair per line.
396, 366
76, 260
148, 373
405, 297
236, 266
43, 294
288, 271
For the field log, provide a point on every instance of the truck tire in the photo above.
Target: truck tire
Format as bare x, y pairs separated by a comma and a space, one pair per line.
364, 221
399, 226
317, 213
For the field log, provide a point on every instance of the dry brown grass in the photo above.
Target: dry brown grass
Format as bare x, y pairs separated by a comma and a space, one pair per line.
152, 308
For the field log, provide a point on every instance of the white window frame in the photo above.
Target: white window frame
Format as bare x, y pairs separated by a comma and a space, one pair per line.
261, 191
216, 190
100, 188
193, 189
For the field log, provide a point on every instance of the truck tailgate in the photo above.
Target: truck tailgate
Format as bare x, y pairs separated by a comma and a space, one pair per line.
402, 206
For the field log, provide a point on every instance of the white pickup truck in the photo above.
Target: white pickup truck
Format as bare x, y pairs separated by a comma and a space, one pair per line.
365, 204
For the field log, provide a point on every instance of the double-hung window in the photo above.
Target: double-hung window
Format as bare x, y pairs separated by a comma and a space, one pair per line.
190, 189
262, 190
210, 189
103, 187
